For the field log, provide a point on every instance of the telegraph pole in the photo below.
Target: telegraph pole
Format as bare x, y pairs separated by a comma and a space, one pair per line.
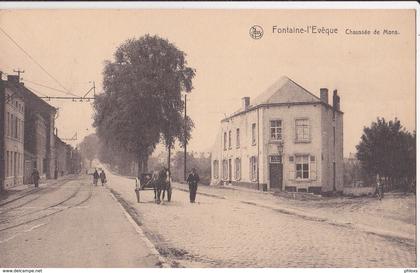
18, 71
185, 137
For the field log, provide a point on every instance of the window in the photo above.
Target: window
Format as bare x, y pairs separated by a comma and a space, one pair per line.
253, 168
7, 124
302, 167
275, 159
238, 138
253, 133
216, 169
237, 169
12, 121
302, 130
225, 170
275, 129
7, 164
224, 140
230, 139
16, 127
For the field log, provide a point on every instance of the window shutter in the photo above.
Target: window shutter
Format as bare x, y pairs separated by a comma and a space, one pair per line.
313, 168
292, 171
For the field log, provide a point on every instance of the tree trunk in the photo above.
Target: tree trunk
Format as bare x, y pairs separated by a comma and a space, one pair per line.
142, 164
169, 159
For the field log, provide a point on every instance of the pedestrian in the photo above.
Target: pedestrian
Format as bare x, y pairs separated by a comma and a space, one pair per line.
95, 177
103, 177
35, 177
193, 180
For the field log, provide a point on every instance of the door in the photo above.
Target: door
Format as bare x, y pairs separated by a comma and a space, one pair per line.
276, 172
15, 174
230, 170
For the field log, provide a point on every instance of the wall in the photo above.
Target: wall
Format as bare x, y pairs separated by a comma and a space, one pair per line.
13, 138
332, 152
288, 115
246, 149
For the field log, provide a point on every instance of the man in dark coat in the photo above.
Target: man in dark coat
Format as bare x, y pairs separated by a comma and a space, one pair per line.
35, 177
193, 180
95, 177
103, 177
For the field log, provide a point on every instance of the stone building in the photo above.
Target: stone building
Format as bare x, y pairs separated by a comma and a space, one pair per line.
12, 119
33, 129
39, 136
286, 139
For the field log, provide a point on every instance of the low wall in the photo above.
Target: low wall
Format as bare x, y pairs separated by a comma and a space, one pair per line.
358, 191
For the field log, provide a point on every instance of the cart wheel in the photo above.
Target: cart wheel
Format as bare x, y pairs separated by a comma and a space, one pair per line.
169, 194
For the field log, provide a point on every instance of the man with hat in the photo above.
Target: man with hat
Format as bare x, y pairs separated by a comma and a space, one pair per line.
193, 180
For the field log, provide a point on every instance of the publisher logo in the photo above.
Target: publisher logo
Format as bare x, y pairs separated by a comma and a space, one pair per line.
256, 32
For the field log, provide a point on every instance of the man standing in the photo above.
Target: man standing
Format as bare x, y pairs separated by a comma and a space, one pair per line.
35, 177
95, 178
193, 180
103, 177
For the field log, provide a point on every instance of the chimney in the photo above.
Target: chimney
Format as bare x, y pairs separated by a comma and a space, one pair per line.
13, 78
245, 103
323, 94
336, 101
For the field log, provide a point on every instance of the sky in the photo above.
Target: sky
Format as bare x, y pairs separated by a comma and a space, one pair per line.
374, 74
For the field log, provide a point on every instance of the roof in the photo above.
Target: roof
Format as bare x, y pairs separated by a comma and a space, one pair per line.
31, 100
283, 92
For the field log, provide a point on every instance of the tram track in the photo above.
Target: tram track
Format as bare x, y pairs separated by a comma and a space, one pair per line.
48, 190
73, 195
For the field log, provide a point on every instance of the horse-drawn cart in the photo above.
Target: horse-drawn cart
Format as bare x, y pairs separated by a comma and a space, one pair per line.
158, 182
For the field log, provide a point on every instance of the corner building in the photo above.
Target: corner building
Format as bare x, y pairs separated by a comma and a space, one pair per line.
285, 139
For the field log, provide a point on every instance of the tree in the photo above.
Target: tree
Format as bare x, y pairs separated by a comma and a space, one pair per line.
142, 99
89, 147
388, 150
202, 163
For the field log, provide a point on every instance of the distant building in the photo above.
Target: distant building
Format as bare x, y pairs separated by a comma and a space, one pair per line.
12, 118
286, 139
68, 160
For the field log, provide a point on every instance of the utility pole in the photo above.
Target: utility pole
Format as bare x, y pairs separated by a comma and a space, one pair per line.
18, 71
185, 137
93, 88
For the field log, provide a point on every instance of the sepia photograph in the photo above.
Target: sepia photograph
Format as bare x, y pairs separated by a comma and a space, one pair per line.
207, 136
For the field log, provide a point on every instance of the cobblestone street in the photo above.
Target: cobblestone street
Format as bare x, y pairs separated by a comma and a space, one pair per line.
223, 232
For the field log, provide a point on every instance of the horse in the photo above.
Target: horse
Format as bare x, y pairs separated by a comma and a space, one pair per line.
161, 183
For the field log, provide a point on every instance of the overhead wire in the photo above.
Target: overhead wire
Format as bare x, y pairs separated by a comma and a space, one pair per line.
45, 86
36, 62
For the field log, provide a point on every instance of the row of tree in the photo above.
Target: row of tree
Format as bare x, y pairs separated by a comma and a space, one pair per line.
92, 148
142, 101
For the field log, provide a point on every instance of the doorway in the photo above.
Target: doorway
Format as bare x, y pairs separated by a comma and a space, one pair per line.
276, 172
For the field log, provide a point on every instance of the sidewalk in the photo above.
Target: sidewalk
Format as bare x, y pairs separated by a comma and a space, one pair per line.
394, 217
21, 191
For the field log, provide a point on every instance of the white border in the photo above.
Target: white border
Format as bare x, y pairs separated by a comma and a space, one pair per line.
234, 5
209, 5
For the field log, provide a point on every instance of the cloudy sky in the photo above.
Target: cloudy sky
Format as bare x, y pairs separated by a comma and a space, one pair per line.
374, 74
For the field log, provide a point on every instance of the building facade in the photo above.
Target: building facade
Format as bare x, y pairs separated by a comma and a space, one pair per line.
27, 140
12, 119
287, 139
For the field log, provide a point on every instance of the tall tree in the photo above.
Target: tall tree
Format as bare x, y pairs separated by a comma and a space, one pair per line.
386, 148
89, 148
142, 102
